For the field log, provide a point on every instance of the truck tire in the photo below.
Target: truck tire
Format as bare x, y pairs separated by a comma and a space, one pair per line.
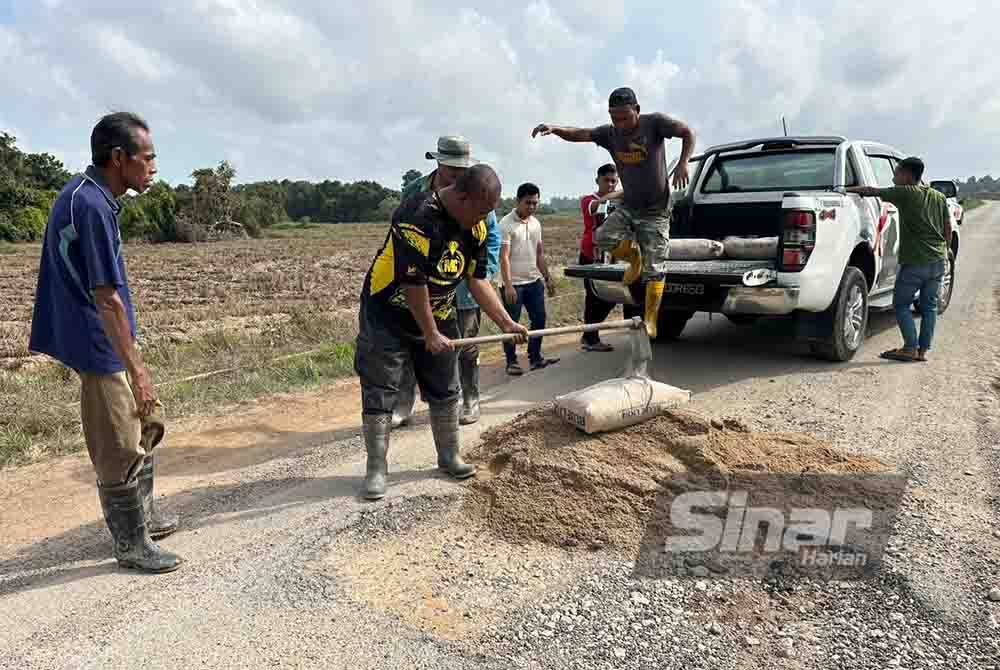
670, 324
947, 287
849, 316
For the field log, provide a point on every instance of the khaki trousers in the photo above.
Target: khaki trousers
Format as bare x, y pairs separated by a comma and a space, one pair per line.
111, 426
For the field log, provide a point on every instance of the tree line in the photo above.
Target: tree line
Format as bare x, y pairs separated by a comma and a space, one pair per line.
211, 206
974, 185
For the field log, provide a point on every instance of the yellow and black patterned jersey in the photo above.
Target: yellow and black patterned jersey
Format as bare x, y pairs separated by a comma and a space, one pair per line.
425, 247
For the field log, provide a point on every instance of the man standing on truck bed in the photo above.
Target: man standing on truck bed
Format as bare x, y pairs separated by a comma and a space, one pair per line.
639, 230
408, 313
924, 241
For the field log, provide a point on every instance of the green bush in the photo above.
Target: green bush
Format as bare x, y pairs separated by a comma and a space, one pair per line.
24, 224
151, 216
256, 213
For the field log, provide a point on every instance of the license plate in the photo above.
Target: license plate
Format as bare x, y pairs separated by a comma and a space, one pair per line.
684, 289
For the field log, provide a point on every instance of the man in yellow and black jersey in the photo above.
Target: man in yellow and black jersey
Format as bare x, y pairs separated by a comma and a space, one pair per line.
408, 314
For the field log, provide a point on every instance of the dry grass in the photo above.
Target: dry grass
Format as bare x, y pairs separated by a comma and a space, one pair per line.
233, 306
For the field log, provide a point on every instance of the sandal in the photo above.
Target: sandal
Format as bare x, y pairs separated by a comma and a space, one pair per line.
921, 356
899, 355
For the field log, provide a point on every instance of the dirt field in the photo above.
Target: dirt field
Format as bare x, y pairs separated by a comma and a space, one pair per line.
226, 314
182, 291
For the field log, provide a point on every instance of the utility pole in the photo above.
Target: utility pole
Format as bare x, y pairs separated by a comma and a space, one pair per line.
784, 125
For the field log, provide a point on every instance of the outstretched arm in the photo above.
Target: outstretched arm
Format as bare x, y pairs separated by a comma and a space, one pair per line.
564, 132
865, 191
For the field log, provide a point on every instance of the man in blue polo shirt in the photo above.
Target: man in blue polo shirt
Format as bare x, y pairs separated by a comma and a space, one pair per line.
84, 318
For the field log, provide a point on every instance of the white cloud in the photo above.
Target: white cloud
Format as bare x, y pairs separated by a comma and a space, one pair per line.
346, 90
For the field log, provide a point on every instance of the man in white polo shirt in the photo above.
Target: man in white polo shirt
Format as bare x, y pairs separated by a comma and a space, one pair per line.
523, 269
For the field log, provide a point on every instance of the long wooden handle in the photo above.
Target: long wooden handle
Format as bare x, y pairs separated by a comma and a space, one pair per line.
628, 324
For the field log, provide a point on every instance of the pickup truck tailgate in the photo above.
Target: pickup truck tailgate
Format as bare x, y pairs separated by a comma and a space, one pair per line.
718, 271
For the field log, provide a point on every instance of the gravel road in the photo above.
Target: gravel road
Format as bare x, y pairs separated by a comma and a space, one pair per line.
287, 569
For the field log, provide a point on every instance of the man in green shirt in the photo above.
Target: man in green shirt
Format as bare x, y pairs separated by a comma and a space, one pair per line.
924, 241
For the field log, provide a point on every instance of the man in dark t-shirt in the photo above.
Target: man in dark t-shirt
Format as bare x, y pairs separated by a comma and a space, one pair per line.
638, 230
408, 314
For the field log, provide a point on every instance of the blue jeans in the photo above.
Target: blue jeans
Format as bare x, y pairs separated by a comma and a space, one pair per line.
925, 278
532, 298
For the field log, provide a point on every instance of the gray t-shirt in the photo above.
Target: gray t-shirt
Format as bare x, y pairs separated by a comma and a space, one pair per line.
641, 159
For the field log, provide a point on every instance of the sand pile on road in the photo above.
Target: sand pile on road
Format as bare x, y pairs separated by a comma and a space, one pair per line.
542, 480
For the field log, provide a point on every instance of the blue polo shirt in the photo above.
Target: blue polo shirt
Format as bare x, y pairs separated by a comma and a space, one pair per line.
81, 251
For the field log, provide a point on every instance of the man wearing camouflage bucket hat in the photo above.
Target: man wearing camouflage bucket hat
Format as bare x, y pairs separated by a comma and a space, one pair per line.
453, 158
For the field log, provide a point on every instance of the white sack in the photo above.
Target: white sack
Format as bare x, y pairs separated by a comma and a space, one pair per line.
695, 250
751, 248
618, 403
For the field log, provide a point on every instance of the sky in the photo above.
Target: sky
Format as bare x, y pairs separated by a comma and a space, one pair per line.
348, 90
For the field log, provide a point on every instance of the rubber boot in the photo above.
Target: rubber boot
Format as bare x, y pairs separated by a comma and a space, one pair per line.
376, 431
469, 371
160, 525
654, 296
444, 426
629, 251
125, 515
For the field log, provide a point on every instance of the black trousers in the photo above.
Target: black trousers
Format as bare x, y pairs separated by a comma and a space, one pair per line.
382, 355
596, 310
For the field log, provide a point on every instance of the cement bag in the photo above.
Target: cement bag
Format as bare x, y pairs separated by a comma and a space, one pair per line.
618, 403
751, 248
695, 250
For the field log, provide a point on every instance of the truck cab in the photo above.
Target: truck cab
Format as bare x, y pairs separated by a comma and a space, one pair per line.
832, 255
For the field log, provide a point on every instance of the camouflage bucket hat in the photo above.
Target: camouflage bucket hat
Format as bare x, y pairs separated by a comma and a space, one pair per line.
452, 151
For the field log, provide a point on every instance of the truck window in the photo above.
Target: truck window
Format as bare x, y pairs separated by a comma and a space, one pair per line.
883, 171
779, 171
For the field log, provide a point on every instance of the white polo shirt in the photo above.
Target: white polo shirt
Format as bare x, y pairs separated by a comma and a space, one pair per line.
523, 237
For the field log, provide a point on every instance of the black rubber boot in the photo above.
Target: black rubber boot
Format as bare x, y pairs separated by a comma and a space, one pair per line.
470, 392
376, 431
444, 426
123, 512
160, 525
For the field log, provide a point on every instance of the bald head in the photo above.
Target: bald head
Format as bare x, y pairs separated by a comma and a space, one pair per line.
474, 195
479, 181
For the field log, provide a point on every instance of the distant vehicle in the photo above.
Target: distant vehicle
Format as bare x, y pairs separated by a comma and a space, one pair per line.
836, 255
949, 189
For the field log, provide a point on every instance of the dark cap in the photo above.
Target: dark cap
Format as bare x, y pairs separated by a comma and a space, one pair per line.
622, 96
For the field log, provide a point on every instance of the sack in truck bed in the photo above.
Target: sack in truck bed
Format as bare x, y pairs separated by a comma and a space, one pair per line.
686, 249
751, 248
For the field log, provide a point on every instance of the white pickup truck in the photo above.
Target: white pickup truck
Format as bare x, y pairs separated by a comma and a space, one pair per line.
835, 257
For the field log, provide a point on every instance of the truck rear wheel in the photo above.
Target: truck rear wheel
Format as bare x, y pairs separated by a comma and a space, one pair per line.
670, 324
849, 317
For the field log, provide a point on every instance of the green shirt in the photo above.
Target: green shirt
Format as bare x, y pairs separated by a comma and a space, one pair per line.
418, 185
923, 213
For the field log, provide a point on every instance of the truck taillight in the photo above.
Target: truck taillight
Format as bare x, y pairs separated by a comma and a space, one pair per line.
799, 239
